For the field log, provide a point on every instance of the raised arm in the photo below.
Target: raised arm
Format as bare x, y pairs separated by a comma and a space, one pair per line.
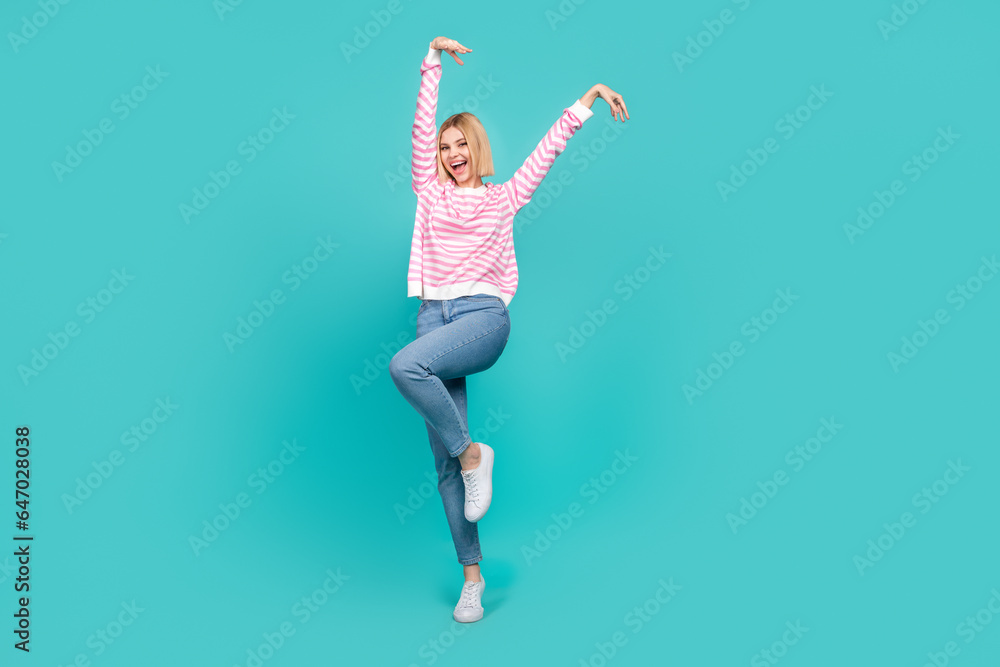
529, 176
424, 159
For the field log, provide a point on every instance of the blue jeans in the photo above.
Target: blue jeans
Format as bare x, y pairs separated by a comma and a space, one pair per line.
455, 338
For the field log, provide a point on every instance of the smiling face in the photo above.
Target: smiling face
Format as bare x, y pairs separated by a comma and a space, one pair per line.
457, 158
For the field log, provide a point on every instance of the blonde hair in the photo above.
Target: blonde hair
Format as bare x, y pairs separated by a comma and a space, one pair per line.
479, 145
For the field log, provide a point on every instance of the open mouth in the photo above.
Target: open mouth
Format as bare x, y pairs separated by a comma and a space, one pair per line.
459, 166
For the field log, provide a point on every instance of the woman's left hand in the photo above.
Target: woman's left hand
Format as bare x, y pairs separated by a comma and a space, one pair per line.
614, 100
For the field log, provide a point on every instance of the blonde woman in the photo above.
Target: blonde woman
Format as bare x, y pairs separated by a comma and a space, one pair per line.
463, 270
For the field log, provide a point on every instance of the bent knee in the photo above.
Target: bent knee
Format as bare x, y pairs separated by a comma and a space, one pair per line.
401, 366
397, 366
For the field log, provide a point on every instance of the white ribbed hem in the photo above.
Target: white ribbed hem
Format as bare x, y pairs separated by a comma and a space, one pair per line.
580, 111
467, 288
433, 56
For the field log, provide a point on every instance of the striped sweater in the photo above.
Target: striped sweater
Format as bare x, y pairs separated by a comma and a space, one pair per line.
463, 237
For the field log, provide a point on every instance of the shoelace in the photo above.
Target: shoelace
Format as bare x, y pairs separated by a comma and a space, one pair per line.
467, 599
470, 484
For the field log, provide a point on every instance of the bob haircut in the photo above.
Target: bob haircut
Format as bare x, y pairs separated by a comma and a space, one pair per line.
479, 145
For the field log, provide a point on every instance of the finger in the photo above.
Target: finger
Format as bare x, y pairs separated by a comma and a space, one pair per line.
457, 59
620, 106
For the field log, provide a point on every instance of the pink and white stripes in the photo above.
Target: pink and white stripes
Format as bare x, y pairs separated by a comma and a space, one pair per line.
463, 237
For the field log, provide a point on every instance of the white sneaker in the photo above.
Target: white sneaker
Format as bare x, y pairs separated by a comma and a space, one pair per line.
469, 607
479, 485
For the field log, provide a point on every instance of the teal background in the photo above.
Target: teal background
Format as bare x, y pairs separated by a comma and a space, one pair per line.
329, 174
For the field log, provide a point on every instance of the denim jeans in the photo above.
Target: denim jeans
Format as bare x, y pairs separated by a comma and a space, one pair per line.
455, 338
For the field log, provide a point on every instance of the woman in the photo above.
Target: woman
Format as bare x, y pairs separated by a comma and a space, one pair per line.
463, 270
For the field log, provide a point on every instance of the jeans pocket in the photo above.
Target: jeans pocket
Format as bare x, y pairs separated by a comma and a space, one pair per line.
484, 298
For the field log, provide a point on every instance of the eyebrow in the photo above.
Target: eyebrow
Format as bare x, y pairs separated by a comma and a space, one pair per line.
445, 143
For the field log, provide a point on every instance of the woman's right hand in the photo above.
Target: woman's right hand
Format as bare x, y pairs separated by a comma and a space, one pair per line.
451, 46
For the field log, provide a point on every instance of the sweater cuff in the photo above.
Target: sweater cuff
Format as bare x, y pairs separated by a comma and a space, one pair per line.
580, 111
433, 56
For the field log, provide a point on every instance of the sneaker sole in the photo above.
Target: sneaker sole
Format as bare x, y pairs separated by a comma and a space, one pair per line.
468, 620
480, 616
